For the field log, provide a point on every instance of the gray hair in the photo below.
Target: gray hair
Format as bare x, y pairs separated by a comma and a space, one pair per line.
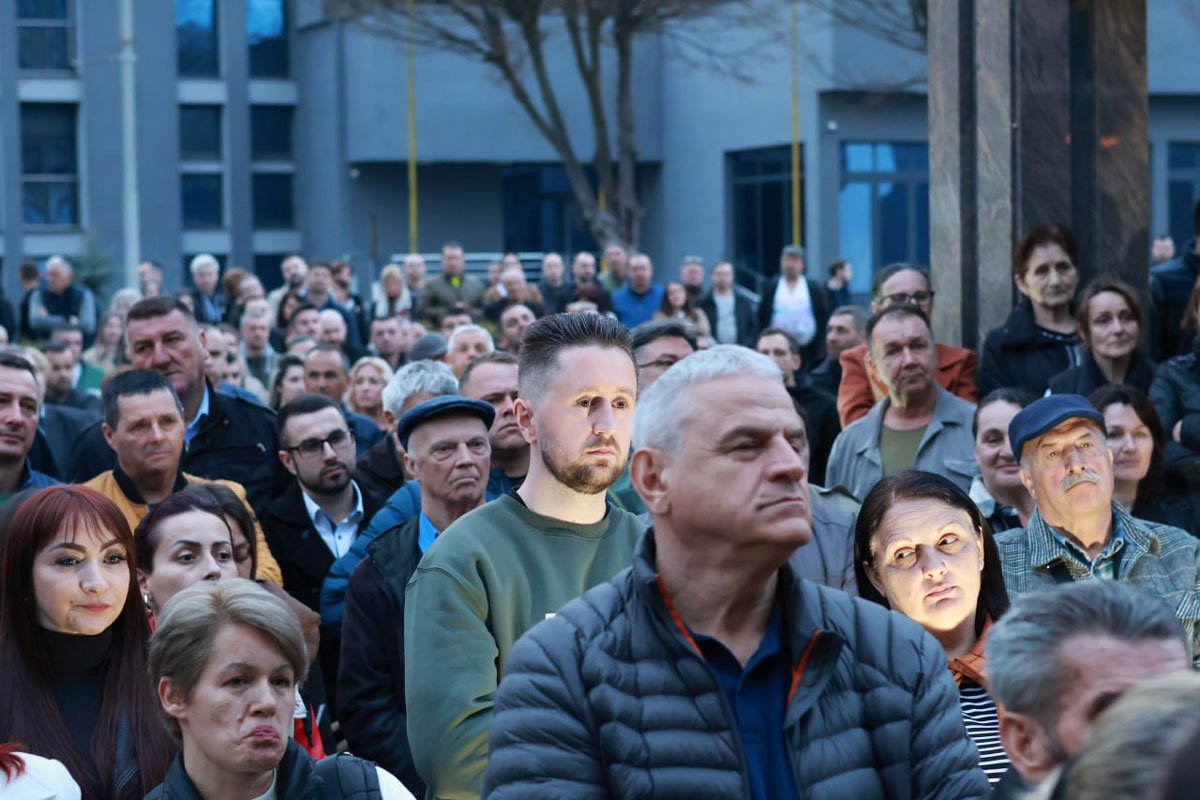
1023, 649
182, 643
432, 377
59, 261
469, 328
662, 409
126, 293
1138, 740
203, 261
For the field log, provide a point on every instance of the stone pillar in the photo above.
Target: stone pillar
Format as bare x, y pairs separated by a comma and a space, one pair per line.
1037, 114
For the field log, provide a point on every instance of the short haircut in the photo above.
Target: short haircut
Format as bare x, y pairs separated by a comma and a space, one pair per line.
69, 327
837, 266
28, 270
452, 245
14, 361
160, 306
182, 643
307, 403
858, 313
1039, 236
902, 310
549, 336
326, 347
57, 348
659, 420
470, 328
657, 329
885, 273
320, 265
1099, 286
204, 261
793, 251
792, 342
145, 535
1005, 394
1024, 649
420, 377
134, 382
494, 357
296, 312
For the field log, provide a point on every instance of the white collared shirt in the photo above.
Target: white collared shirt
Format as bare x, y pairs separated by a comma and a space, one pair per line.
338, 536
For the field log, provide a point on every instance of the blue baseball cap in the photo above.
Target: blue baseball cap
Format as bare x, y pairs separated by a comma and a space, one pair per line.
436, 407
1047, 413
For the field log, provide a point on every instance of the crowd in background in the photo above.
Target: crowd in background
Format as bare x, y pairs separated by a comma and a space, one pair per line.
573, 530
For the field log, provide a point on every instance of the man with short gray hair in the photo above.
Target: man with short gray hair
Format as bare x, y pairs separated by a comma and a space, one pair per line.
1059, 657
208, 300
713, 644
61, 302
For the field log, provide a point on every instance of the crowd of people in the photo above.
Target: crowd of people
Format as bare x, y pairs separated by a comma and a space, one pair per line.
583, 534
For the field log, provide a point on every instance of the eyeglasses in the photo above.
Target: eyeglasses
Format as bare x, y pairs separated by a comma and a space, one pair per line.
311, 448
903, 298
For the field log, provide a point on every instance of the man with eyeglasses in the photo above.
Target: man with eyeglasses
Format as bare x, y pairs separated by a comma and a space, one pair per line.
862, 387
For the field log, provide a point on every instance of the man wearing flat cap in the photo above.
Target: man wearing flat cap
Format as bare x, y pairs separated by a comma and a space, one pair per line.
1077, 531
447, 452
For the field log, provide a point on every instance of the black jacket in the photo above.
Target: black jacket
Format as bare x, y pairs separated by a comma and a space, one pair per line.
58, 436
827, 375
1087, 377
1171, 287
1175, 394
812, 352
1015, 355
297, 777
236, 441
370, 686
82, 401
8, 319
820, 413
744, 313
379, 470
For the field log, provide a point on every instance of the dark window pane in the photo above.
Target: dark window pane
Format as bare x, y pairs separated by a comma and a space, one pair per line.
540, 210
200, 132
44, 48
196, 36
894, 242
856, 241
762, 207
41, 9
266, 32
51, 203
1183, 155
266, 267
48, 139
202, 201
273, 201
921, 256
270, 132
1181, 199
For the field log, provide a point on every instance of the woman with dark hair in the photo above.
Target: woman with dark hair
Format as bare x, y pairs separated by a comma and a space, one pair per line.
288, 304
1110, 325
1137, 443
1039, 339
997, 490
242, 526
287, 382
677, 304
72, 645
183, 540
922, 548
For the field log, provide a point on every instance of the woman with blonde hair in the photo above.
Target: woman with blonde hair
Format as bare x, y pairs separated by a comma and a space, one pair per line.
368, 376
390, 296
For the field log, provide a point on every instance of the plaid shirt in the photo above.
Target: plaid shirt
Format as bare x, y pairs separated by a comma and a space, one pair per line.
1160, 559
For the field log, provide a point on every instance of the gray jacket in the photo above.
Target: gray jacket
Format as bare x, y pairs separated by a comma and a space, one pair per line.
610, 698
828, 558
947, 448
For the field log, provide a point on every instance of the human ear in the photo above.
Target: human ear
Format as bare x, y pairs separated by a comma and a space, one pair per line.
285, 458
523, 413
172, 700
144, 587
108, 433
410, 467
1027, 746
647, 474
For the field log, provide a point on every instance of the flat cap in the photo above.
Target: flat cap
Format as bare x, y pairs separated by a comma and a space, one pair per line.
1047, 413
430, 346
436, 407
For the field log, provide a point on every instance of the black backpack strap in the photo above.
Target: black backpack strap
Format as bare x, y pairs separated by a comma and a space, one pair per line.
348, 777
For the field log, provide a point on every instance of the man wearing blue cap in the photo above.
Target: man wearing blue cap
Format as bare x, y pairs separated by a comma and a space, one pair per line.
1077, 531
446, 449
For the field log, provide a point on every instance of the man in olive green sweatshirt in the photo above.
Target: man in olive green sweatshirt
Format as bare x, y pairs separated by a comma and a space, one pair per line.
508, 565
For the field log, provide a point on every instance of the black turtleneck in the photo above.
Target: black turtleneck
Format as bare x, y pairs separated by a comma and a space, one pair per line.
77, 676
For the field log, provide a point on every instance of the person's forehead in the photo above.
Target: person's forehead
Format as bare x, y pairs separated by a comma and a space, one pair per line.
18, 381
470, 339
722, 267
745, 402
460, 426
317, 423
324, 359
604, 368
171, 322
1047, 253
490, 374
774, 341
60, 357
919, 518
841, 321
1097, 662
901, 328
906, 280
664, 345
158, 401
1073, 428
997, 415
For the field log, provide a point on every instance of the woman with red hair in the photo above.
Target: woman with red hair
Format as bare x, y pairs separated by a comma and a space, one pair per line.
72, 645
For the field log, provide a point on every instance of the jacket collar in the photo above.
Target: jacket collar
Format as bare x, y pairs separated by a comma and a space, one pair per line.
970, 665
1045, 550
130, 490
942, 418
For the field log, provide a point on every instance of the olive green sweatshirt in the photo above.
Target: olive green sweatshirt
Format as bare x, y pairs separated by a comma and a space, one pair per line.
487, 579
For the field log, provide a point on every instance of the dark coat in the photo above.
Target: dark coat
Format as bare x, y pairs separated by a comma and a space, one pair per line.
236, 442
366, 433
58, 436
1171, 287
1087, 377
218, 299
814, 351
1015, 355
743, 311
820, 411
81, 401
370, 686
379, 470
827, 375
611, 698
1175, 394
8, 319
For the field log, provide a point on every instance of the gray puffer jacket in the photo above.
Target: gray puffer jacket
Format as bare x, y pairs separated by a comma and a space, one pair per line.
610, 698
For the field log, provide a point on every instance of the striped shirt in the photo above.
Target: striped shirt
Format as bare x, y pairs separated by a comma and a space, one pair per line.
983, 726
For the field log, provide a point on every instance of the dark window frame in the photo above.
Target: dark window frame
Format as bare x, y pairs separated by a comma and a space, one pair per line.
1179, 220
284, 154
759, 170
199, 155
286, 222
204, 224
213, 34
262, 50
68, 177
66, 24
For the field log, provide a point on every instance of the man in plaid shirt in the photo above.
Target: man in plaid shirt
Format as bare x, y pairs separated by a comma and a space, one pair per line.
1077, 531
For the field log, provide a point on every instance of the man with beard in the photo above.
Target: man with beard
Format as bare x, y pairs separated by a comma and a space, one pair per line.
918, 425
509, 564
295, 274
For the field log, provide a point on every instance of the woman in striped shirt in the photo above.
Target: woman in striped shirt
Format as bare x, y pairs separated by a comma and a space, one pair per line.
922, 548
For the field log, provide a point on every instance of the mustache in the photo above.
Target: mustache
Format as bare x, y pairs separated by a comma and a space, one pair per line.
1079, 477
602, 441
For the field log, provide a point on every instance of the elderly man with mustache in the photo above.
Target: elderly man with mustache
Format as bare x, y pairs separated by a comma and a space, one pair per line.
1077, 531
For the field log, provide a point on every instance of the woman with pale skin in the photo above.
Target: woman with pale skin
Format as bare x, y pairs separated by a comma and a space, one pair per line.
365, 395
677, 304
288, 381
1110, 325
922, 548
225, 661
997, 491
107, 347
72, 642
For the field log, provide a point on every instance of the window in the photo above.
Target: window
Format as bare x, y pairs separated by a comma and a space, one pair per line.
196, 37
49, 164
761, 184
883, 206
271, 133
540, 210
44, 36
266, 31
266, 267
203, 203
200, 133
273, 201
1183, 190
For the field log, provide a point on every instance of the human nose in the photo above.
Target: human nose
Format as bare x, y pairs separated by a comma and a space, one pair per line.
931, 562
603, 418
261, 698
212, 567
786, 462
91, 579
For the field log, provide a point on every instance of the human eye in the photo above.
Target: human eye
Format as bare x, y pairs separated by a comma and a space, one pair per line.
904, 555
621, 403
479, 445
66, 561
185, 557
584, 402
282, 681
115, 557
949, 540
224, 554
237, 681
